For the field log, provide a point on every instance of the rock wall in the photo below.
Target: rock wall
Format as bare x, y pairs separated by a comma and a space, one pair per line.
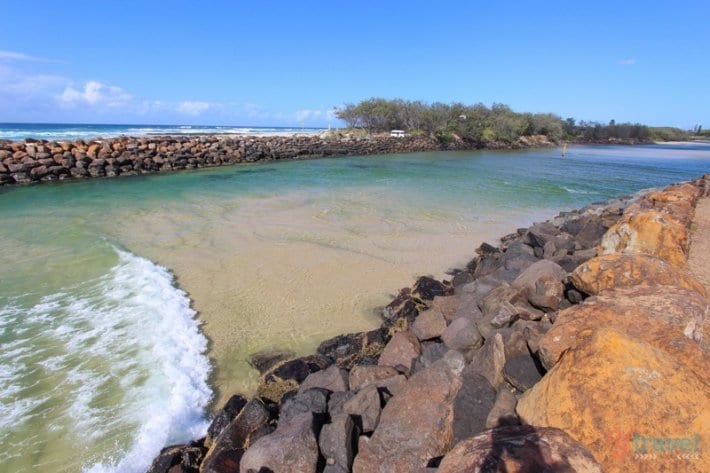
29, 161
576, 345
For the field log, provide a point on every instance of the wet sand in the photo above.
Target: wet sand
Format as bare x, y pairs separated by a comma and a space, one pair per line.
286, 272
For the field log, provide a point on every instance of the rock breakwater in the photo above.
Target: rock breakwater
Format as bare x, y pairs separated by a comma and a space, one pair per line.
578, 344
31, 161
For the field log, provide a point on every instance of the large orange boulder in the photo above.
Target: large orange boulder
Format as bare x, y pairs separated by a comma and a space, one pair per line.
651, 232
678, 201
667, 317
635, 407
622, 270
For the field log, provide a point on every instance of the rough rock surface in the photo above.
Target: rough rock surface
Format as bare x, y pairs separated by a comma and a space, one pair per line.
520, 449
291, 448
654, 233
402, 349
667, 317
623, 270
415, 426
613, 390
332, 378
230, 445
542, 284
428, 325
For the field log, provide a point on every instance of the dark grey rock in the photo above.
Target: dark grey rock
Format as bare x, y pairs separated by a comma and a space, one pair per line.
472, 405
313, 401
522, 372
265, 360
229, 411
228, 447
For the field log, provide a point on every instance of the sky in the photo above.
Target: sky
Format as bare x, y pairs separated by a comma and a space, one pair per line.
279, 63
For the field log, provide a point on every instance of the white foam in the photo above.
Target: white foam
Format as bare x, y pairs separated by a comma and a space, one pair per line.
131, 335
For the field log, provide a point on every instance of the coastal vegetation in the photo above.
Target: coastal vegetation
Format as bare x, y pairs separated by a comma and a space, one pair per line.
479, 124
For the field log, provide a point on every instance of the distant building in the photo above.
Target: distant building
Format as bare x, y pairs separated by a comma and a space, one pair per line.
397, 133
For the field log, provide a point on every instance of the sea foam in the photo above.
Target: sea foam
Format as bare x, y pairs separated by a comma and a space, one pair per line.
118, 366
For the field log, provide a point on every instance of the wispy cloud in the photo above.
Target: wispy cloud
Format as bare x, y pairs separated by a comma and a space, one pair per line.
192, 107
95, 93
17, 56
629, 61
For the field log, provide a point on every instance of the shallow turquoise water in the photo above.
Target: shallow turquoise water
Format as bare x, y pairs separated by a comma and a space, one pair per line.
101, 359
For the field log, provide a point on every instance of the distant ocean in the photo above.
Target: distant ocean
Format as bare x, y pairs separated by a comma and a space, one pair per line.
74, 131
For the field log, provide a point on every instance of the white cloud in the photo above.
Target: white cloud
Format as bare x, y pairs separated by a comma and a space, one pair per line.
303, 115
192, 107
629, 61
95, 93
15, 56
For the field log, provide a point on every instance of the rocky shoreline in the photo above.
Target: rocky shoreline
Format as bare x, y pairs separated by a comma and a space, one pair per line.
36, 161
575, 345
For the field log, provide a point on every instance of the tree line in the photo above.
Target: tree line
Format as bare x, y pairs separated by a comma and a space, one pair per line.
480, 124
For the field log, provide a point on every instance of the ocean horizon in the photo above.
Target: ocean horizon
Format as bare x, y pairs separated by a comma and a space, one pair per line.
85, 131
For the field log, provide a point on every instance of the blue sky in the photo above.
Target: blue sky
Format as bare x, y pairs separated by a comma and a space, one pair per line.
289, 63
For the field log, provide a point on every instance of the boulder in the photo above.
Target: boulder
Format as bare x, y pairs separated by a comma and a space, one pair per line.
542, 284
472, 405
479, 288
286, 376
265, 360
622, 270
462, 335
338, 441
503, 410
352, 348
489, 360
332, 378
520, 449
402, 349
227, 449
313, 401
427, 288
612, 393
677, 201
591, 233
362, 375
291, 448
416, 425
429, 324
445, 305
468, 307
365, 407
431, 352
178, 458
231, 409
501, 306
404, 306
654, 233
522, 371
668, 317
336, 401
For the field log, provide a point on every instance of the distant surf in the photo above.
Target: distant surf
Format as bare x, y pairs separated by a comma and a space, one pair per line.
64, 131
